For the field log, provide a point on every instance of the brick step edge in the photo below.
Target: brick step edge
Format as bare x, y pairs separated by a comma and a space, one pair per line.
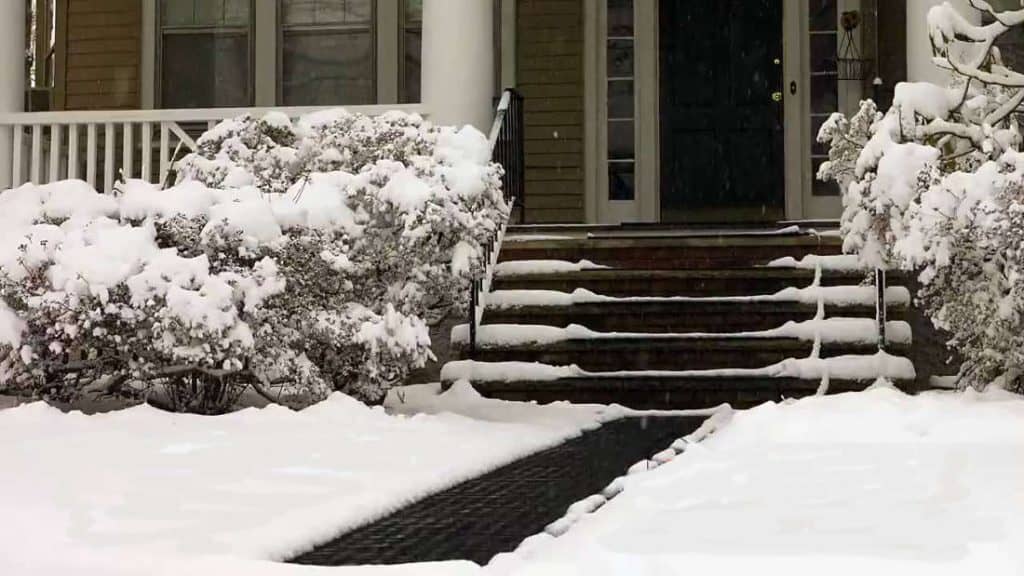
684, 344
655, 383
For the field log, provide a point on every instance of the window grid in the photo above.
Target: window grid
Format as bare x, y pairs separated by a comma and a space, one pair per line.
345, 29
235, 21
620, 91
824, 83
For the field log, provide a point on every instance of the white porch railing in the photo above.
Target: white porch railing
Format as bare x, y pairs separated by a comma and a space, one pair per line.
100, 146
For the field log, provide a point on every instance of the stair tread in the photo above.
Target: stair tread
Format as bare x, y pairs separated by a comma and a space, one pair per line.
678, 343
738, 272
656, 380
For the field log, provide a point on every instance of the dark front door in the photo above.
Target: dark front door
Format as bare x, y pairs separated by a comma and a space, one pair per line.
721, 112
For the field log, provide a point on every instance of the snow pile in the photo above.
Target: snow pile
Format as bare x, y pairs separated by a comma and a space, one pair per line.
825, 330
141, 491
525, 267
828, 295
936, 185
294, 259
854, 367
841, 262
869, 483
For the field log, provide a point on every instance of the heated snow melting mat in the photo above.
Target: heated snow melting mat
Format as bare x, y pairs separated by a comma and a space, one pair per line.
493, 513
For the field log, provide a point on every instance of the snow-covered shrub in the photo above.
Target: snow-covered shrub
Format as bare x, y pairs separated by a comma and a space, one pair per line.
935, 186
295, 259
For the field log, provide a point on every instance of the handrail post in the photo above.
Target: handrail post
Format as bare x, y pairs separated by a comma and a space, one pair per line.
880, 307
473, 296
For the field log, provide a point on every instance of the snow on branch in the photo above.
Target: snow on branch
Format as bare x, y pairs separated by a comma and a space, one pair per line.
936, 186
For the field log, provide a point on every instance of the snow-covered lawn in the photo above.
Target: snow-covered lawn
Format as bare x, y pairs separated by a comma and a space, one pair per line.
872, 483
143, 491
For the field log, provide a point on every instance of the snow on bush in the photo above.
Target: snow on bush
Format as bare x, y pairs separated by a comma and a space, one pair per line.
936, 185
293, 258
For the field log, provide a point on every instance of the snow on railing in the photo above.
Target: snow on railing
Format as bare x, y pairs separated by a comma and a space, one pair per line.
101, 147
506, 140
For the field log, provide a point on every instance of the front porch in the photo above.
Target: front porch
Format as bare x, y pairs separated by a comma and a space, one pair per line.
108, 136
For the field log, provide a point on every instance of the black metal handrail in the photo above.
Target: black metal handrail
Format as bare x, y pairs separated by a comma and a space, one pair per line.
506, 139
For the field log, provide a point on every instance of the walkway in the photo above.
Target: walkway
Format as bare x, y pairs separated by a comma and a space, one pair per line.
495, 512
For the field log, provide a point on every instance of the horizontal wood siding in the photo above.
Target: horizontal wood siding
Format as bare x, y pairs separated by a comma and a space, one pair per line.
104, 51
549, 62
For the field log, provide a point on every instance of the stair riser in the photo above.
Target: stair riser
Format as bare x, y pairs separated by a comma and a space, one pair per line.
675, 398
623, 287
710, 320
665, 257
654, 358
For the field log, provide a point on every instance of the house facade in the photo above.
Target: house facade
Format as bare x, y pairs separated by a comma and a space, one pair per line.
665, 111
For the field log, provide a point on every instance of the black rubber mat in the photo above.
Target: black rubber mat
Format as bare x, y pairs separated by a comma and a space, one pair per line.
493, 513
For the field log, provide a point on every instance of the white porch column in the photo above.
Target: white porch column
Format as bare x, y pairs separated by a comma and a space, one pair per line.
457, 80
12, 77
919, 48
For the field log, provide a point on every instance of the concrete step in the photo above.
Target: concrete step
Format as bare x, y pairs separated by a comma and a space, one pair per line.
677, 316
675, 354
698, 282
669, 391
670, 253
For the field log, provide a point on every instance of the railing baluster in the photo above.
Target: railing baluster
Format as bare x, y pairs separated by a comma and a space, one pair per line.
165, 150
128, 155
56, 145
36, 166
73, 151
17, 161
108, 157
90, 155
147, 151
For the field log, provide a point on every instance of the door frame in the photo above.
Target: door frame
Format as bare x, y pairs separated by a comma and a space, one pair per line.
646, 206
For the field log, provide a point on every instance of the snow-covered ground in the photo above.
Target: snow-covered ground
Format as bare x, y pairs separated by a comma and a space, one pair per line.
142, 491
868, 483
874, 482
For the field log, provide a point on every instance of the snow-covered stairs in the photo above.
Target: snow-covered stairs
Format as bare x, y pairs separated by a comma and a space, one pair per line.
677, 321
689, 282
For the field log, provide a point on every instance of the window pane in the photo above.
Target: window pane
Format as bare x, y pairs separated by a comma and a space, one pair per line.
620, 58
311, 12
823, 52
823, 14
816, 148
414, 10
327, 68
620, 99
222, 12
620, 140
411, 72
620, 18
236, 12
177, 12
620, 181
819, 188
205, 70
824, 94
